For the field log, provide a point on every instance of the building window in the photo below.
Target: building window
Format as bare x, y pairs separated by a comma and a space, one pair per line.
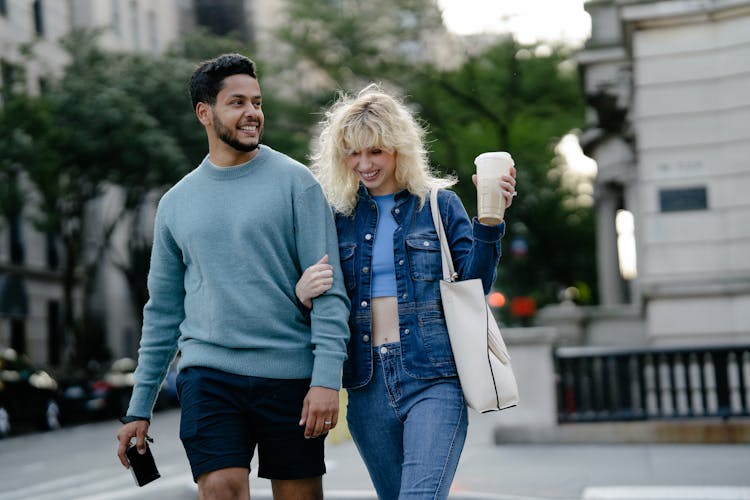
7, 79
135, 25
153, 32
626, 249
18, 335
53, 253
116, 18
38, 18
55, 340
3, 8
17, 249
14, 206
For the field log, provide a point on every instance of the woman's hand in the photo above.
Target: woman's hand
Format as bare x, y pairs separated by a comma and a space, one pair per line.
507, 186
315, 281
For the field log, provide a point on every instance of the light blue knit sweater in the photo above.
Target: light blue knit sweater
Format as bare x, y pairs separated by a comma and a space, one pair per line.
229, 247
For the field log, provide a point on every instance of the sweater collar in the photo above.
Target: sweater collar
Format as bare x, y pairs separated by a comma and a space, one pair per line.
235, 171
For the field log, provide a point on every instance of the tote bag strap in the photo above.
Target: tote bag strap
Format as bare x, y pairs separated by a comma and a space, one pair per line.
449, 273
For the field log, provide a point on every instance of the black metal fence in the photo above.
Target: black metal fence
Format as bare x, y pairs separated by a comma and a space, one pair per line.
598, 384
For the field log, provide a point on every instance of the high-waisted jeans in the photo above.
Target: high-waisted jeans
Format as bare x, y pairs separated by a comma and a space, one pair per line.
410, 432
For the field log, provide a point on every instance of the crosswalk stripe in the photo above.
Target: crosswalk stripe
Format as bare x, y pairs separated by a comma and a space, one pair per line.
666, 493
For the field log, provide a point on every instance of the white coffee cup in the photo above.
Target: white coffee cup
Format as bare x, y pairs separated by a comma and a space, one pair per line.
491, 167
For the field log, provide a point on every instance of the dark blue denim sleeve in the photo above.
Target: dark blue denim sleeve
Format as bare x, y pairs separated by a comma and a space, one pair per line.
475, 248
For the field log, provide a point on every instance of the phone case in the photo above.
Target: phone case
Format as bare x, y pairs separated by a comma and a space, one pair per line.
143, 466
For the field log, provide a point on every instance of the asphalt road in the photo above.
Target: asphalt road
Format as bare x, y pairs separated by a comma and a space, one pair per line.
79, 463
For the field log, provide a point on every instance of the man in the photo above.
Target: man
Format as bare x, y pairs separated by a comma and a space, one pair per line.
230, 242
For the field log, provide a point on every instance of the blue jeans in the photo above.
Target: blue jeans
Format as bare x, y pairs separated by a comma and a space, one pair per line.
410, 432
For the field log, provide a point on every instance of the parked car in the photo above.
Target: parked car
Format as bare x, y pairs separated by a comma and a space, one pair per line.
29, 396
105, 393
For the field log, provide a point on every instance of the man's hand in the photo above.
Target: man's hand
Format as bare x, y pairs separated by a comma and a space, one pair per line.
320, 411
127, 432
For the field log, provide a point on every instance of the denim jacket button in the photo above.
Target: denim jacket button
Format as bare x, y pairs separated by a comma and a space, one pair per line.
404, 296
365, 338
363, 303
401, 262
383, 350
397, 211
368, 236
407, 331
426, 243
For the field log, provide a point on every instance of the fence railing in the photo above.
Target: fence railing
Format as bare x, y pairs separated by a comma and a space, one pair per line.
598, 384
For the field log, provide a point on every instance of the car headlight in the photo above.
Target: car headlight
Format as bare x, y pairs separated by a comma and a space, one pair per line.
42, 380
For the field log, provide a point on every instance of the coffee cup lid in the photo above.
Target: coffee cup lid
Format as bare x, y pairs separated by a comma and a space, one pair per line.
503, 155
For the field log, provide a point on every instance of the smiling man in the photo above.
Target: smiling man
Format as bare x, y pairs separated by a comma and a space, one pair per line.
230, 241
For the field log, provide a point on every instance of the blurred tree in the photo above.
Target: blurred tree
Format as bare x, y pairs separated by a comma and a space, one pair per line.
348, 42
507, 98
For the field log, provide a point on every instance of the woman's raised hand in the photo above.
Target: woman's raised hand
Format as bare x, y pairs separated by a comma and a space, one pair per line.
315, 281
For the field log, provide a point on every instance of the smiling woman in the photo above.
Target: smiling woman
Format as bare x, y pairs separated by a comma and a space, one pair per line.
530, 21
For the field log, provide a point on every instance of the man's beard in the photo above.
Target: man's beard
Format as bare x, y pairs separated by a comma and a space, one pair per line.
225, 134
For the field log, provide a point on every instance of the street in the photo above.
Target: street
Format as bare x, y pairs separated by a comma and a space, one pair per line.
79, 463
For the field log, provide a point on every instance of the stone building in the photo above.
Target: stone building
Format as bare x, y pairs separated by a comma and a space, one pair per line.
669, 127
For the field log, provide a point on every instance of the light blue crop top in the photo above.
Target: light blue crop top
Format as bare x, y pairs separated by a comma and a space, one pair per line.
383, 268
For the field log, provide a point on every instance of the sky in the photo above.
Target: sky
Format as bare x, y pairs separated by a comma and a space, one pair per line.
530, 20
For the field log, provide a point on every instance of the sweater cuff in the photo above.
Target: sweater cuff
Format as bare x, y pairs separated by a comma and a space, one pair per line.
488, 234
141, 403
327, 372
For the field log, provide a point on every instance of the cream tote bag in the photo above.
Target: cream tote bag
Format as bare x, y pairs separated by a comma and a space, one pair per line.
482, 359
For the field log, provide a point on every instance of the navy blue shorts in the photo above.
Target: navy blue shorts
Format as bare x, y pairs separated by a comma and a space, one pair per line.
224, 416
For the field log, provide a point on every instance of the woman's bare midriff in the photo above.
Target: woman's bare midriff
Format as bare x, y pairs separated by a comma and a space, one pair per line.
385, 320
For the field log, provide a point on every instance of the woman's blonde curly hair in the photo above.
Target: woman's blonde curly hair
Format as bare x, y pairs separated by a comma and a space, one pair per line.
371, 119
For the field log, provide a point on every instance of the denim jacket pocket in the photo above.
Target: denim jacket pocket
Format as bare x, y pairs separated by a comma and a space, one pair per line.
346, 256
424, 258
435, 338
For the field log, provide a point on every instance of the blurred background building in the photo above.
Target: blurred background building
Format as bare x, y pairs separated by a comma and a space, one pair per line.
669, 128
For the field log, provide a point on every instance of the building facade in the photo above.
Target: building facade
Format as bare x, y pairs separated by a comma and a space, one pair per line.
666, 82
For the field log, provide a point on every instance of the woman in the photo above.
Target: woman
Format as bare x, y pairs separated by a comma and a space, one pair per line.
406, 412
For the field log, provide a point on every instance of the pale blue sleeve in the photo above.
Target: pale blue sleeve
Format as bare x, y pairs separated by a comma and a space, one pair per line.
315, 234
162, 316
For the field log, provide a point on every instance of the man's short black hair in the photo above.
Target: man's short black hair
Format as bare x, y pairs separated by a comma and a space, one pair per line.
208, 80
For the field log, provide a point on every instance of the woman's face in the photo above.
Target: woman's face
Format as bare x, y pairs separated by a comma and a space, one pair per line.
376, 169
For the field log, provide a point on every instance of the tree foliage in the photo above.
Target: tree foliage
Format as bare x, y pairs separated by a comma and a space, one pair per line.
506, 99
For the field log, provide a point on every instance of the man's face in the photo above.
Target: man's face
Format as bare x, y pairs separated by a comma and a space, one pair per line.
237, 115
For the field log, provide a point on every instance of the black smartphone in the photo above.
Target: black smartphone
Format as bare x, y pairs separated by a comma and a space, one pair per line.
143, 466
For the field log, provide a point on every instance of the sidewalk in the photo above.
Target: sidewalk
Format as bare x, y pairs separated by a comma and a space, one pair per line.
562, 471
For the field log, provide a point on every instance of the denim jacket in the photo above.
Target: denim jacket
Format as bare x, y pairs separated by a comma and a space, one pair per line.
425, 347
